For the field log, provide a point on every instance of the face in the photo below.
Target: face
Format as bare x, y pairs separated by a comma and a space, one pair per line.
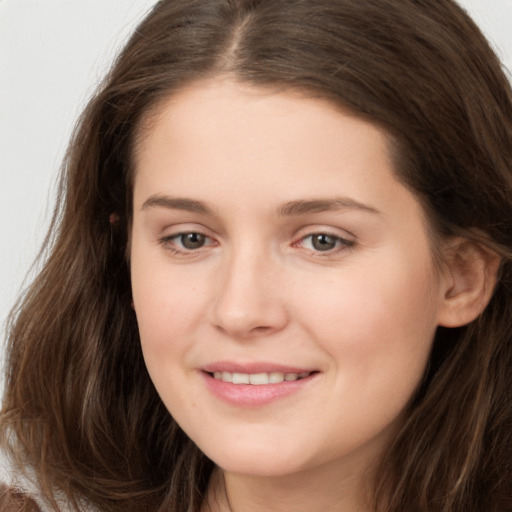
282, 278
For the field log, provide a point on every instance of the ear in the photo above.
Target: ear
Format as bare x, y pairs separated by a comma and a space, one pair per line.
470, 275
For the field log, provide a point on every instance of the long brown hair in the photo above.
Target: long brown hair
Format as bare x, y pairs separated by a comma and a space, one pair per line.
80, 408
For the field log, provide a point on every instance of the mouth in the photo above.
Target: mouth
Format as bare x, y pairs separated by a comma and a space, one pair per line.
259, 379
254, 384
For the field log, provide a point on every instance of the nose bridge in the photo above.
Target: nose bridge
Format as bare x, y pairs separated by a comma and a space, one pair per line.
248, 299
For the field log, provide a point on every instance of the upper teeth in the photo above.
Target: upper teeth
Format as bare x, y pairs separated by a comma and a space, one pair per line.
258, 379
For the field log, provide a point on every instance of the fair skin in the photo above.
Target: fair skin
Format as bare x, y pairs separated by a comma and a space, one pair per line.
271, 239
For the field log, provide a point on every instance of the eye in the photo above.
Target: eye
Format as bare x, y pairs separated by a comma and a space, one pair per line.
186, 242
324, 242
191, 241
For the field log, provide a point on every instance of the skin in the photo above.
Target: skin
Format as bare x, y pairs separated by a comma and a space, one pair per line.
362, 314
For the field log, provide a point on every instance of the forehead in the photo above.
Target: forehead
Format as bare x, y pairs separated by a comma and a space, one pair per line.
201, 101
217, 136
217, 106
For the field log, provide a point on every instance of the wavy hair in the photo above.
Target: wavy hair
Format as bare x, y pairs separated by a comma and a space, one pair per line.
80, 409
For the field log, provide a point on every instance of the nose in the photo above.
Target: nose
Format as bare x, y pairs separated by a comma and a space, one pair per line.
249, 298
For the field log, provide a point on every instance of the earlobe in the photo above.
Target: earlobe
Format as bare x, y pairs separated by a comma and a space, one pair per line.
471, 272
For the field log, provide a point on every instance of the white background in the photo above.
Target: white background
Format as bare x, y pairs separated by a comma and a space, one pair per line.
52, 55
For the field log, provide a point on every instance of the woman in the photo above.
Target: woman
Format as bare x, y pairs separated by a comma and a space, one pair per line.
279, 277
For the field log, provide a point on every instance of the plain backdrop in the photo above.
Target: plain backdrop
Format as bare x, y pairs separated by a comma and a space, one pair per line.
52, 55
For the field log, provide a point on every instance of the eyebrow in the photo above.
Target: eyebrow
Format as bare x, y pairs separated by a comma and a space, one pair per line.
289, 209
177, 203
301, 207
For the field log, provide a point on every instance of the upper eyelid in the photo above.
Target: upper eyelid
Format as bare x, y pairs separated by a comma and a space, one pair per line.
182, 228
344, 240
333, 235
181, 233
323, 230
173, 231
298, 235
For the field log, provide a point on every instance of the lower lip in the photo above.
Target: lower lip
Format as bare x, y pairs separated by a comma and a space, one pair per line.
249, 395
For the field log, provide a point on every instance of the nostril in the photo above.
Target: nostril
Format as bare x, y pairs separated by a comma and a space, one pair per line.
261, 329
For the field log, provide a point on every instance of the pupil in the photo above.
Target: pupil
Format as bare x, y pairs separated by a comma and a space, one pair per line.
192, 240
323, 242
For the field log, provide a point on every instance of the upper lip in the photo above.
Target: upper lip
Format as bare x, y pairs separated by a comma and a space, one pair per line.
253, 367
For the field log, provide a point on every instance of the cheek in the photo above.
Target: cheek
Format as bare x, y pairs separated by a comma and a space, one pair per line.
377, 322
167, 305
378, 338
167, 315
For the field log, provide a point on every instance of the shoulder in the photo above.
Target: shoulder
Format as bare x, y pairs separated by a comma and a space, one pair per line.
17, 492
21, 493
14, 500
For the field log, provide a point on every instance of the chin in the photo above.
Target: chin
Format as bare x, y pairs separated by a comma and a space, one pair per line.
259, 466
258, 459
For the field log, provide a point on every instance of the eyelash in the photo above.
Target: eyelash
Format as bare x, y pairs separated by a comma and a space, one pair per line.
169, 242
341, 244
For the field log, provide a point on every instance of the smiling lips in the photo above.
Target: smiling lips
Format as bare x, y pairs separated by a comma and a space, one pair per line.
259, 379
252, 386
